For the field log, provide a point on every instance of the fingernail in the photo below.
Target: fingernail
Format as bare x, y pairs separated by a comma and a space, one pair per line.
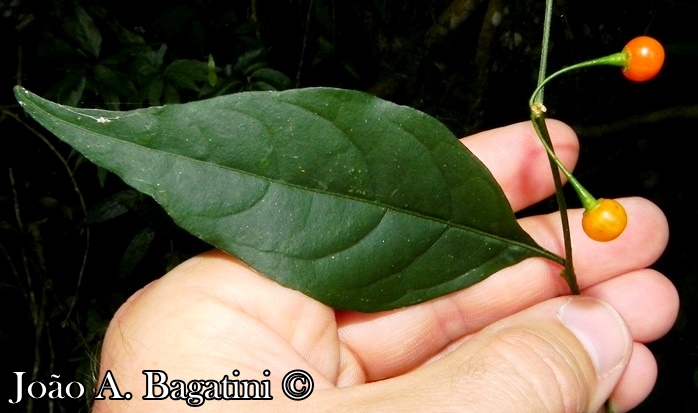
600, 329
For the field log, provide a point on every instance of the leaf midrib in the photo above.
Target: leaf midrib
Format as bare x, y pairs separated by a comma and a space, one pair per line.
539, 251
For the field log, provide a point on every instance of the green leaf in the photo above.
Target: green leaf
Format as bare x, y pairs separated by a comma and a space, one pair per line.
84, 30
70, 89
186, 73
112, 207
248, 59
360, 203
113, 80
212, 76
136, 250
153, 88
128, 37
278, 80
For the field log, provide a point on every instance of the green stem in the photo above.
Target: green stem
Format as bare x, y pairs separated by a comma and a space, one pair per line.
616, 59
568, 274
538, 119
539, 124
588, 200
545, 45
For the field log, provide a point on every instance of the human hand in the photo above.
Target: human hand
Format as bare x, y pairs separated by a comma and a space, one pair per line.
505, 344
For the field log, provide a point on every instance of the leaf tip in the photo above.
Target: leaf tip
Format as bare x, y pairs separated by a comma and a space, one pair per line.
20, 94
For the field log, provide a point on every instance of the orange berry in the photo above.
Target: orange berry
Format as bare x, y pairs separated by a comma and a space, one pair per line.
605, 221
645, 57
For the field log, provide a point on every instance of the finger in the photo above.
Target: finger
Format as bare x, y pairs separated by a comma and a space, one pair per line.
649, 304
391, 343
565, 354
637, 381
517, 160
647, 300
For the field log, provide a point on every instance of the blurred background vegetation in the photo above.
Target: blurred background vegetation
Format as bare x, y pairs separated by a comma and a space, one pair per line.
75, 242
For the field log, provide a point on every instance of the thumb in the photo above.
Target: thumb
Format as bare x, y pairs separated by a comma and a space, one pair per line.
563, 355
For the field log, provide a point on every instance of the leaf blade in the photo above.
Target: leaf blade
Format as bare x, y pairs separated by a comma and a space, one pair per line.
355, 201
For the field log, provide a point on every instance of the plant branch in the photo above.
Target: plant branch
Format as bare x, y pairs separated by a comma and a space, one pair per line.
568, 272
538, 119
545, 45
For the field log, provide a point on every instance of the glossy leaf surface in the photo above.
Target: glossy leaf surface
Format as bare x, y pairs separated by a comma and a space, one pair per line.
360, 203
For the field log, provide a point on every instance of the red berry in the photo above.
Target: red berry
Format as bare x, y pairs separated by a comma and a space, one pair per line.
645, 57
